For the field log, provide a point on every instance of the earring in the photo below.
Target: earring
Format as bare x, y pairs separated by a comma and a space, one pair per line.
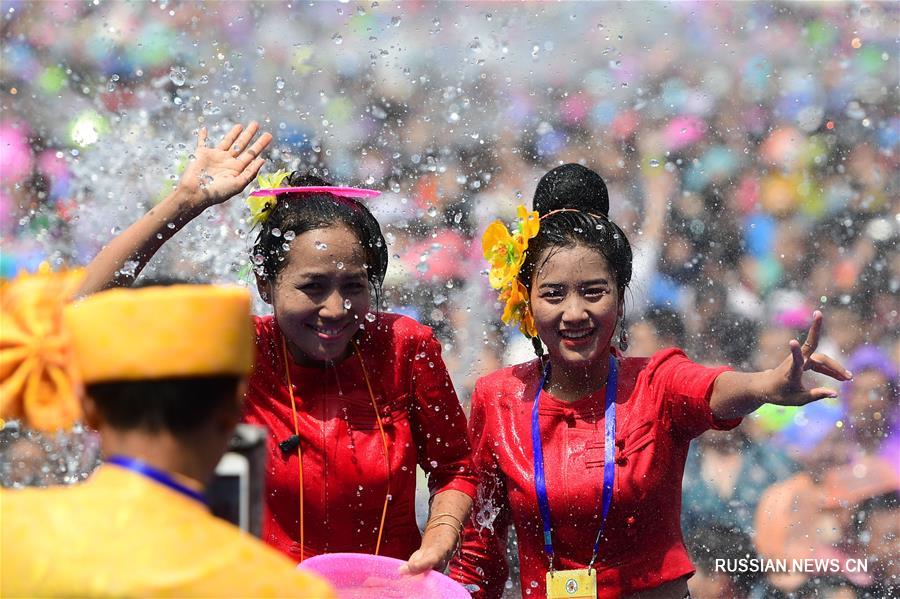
623, 339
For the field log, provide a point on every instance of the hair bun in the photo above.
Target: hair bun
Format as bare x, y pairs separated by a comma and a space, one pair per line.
307, 179
571, 186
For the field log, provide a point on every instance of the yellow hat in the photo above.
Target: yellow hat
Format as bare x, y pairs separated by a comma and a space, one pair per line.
161, 332
37, 378
48, 348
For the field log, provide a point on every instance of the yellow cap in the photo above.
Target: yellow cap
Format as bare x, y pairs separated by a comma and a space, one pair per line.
161, 332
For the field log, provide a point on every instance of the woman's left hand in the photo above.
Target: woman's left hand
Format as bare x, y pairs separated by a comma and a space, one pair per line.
788, 388
437, 548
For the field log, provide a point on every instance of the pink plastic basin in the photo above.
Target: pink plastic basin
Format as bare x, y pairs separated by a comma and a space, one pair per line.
362, 576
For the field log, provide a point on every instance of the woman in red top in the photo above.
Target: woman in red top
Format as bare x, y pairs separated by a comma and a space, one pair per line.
583, 450
352, 400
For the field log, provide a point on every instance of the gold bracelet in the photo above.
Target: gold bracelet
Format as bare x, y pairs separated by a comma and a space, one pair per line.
450, 524
442, 514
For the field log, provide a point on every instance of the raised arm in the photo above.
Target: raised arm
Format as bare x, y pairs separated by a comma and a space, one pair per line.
659, 189
737, 394
212, 177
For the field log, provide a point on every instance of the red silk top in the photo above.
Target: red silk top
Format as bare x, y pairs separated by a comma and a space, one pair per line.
344, 468
662, 403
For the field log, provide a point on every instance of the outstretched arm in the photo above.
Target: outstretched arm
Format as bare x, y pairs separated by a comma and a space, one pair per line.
212, 177
737, 394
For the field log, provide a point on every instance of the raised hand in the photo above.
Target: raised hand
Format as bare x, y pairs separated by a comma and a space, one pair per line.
221, 172
789, 387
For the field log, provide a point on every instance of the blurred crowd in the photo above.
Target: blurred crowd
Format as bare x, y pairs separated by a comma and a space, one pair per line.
750, 150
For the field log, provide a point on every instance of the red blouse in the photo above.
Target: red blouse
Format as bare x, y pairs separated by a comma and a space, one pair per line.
345, 473
663, 402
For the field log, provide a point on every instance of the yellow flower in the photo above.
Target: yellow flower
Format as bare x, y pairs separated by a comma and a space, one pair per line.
517, 308
529, 223
261, 206
505, 251
37, 377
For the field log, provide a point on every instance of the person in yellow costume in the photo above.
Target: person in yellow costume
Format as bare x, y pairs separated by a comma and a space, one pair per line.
163, 370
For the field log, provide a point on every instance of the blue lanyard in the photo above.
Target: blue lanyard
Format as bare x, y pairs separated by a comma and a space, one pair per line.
152, 473
609, 462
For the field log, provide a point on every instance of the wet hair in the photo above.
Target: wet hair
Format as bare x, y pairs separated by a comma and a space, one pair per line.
179, 406
582, 194
300, 213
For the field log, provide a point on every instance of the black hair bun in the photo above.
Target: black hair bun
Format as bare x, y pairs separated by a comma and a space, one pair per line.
571, 186
306, 179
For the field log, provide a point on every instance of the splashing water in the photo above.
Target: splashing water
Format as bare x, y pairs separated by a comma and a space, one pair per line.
30, 458
486, 506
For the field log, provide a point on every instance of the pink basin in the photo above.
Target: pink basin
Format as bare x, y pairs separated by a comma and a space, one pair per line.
362, 576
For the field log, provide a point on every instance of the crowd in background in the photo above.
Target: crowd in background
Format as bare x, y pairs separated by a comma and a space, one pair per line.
751, 154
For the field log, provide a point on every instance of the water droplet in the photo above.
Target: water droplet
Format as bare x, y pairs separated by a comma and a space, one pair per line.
178, 75
279, 83
129, 268
205, 180
289, 235
370, 317
320, 245
258, 259
432, 211
654, 162
395, 21
347, 304
340, 266
276, 232
337, 38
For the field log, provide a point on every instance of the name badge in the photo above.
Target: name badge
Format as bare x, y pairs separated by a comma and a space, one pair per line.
572, 584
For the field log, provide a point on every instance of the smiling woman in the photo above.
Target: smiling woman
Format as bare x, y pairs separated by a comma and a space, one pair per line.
595, 496
353, 400
319, 285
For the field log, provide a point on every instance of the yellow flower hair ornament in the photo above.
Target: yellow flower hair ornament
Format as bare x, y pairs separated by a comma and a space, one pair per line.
505, 252
38, 381
261, 205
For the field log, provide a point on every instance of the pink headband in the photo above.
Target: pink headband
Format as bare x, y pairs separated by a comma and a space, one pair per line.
344, 192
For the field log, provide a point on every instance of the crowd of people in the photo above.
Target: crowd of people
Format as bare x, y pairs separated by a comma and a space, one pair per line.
751, 164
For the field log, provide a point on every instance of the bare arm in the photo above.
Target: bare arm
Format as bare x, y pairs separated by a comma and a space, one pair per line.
659, 188
212, 177
440, 541
737, 394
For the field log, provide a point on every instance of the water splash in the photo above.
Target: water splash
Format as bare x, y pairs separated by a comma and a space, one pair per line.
487, 507
29, 458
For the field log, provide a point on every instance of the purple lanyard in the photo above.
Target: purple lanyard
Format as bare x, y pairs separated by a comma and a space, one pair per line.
609, 462
152, 473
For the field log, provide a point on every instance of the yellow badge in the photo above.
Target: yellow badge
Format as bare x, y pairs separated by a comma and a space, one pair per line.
572, 584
